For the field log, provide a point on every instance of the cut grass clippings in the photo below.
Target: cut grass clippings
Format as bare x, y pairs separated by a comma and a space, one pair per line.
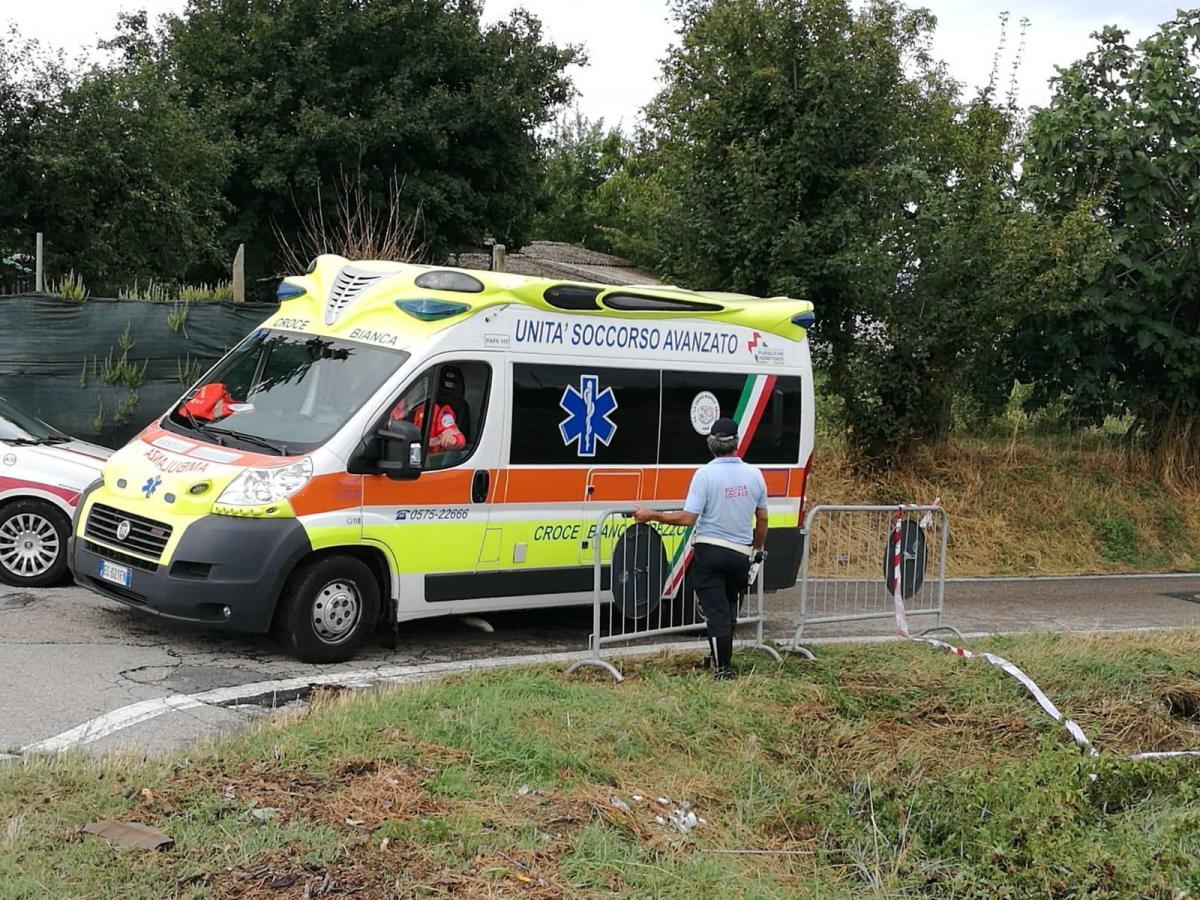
882, 769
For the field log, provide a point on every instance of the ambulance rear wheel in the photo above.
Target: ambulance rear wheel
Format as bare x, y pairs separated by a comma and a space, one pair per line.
330, 607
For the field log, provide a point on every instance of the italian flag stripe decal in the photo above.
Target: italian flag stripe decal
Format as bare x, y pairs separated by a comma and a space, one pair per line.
748, 415
750, 408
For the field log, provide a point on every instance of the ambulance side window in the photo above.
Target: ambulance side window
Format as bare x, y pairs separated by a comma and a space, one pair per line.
448, 402
777, 438
691, 400
577, 415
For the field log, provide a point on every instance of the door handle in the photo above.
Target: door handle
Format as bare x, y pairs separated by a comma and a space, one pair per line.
479, 486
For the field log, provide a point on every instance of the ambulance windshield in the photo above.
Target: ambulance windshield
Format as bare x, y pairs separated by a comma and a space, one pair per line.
284, 393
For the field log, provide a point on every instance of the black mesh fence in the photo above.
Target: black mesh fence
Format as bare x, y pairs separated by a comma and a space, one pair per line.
102, 369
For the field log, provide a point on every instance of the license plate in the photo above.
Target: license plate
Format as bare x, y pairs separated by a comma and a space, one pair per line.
122, 575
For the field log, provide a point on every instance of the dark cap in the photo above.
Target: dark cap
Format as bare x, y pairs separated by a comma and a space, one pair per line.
724, 427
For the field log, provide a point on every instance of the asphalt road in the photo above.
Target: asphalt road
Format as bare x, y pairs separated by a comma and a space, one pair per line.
69, 658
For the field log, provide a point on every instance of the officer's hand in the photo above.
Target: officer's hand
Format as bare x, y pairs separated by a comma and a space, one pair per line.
641, 515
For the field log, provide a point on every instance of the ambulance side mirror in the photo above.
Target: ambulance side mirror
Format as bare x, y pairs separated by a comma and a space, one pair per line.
400, 453
394, 451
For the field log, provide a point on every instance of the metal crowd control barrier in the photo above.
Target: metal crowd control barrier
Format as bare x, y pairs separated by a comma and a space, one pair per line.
628, 602
846, 570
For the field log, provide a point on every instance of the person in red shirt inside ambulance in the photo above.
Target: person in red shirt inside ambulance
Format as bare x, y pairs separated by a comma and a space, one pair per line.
444, 432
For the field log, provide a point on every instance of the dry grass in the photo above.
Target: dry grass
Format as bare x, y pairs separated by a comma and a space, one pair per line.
1036, 508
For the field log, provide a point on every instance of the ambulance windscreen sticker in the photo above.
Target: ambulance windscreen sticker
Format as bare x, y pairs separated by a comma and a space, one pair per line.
588, 410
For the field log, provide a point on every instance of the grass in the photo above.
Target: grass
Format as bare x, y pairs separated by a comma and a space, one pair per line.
171, 292
881, 770
1038, 506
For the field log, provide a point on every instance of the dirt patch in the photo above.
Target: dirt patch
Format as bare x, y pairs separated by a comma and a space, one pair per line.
371, 870
390, 793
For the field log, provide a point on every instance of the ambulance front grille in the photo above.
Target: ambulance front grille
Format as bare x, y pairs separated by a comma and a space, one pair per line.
146, 537
347, 286
134, 562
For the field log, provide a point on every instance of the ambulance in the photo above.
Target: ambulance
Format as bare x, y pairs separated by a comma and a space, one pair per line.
401, 441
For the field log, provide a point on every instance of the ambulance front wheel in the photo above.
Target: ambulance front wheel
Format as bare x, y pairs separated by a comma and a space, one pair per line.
331, 605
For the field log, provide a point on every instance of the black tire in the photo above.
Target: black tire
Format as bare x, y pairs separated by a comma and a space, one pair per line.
329, 607
639, 571
33, 543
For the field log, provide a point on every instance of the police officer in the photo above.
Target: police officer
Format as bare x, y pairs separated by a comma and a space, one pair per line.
724, 498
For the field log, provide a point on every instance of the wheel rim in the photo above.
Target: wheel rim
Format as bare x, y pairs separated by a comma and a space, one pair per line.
336, 611
29, 545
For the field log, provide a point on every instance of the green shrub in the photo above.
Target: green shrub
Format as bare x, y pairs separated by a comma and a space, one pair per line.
177, 318
70, 287
125, 408
119, 370
203, 292
187, 370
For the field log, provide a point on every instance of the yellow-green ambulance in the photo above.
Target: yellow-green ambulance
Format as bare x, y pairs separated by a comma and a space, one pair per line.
401, 441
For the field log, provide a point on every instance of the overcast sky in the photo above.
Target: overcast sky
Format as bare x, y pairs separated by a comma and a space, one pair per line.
626, 38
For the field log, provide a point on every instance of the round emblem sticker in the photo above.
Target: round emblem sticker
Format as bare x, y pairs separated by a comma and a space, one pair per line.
10, 459
705, 410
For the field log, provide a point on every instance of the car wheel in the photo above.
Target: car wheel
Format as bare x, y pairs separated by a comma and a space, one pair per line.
33, 543
330, 606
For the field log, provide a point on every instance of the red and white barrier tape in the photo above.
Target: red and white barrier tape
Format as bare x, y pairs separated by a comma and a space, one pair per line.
1000, 662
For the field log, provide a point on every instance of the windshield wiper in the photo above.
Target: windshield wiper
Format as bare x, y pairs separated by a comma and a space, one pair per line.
196, 424
281, 449
33, 442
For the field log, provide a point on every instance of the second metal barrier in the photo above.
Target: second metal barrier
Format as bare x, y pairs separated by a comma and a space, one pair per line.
846, 573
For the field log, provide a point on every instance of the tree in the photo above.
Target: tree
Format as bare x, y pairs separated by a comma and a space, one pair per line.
976, 263
1124, 126
813, 148
416, 91
784, 156
580, 157
121, 176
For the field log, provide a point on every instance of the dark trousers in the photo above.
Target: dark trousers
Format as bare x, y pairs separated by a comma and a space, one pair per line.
719, 579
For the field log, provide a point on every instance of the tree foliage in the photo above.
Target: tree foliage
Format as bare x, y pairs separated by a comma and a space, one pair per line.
110, 164
417, 93
1124, 127
581, 157
236, 120
813, 148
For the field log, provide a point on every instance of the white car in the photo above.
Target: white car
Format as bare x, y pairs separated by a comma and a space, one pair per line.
42, 474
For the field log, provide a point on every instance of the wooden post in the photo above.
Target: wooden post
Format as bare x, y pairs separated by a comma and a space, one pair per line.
39, 280
239, 275
499, 258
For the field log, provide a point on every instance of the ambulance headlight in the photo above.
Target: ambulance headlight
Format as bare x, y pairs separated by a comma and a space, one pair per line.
254, 487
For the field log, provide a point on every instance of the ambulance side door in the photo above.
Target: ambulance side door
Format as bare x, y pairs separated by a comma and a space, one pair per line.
436, 526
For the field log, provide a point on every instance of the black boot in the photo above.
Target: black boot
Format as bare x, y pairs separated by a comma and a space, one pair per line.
722, 656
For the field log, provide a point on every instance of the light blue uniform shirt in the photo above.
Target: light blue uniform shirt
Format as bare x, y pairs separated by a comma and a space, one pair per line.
724, 494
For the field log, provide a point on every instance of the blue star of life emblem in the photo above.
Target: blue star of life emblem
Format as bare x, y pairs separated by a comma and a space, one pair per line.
151, 485
588, 410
